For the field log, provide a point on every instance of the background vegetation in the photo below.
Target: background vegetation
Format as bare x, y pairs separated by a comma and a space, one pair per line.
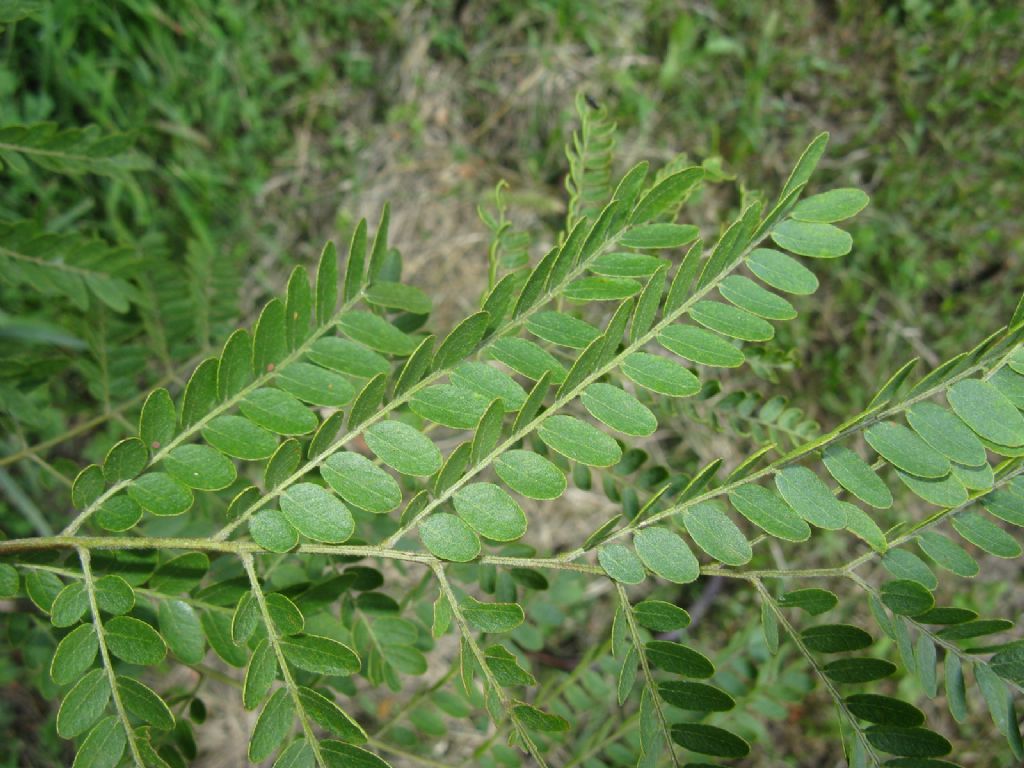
262, 129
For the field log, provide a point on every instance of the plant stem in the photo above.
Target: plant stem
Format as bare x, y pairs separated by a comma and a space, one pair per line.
115, 694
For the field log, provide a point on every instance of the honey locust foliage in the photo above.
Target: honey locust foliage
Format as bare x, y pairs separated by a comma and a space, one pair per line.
339, 492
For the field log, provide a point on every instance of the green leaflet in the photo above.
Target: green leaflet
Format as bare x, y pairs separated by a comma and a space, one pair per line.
579, 441
278, 411
526, 358
181, 629
272, 726
748, 295
856, 475
200, 467
376, 333
835, 638
861, 525
709, 740
234, 370
884, 710
271, 530
237, 436
505, 667
700, 346
769, 512
987, 411
403, 448
74, 655
114, 595
449, 538
909, 742
141, 701
697, 697
947, 434
781, 271
834, 205
87, 486
906, 598
974, 478
562, 329
947, 554
587, 289
904, 564
269, 339
660, 616
626, 265
812, 600
943, 491
337, 754
259, 674
42, 589
1007, 503
492, 617
103, 746
731, 321
462, 340
298, 307
805, 492
320, 655
905, 450
620, 563
69, 606
360, 482
317, 514
713, 531
118, 513
490, 511
125, 460
449, 405
83, 704
657, 236
9, 580
326, 712
983, 533
400, 296
200, 393
347, 357
1009, 664
619, 410
367, 401
315, 385
492, 384
534, 719
160, 494
530, 474
859, 670
678, 659
665, 554
818, 240
661, 375
668, 193
134, 641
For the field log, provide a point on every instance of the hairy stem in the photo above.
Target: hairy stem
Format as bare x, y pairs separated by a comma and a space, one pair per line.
115, 694
282, 662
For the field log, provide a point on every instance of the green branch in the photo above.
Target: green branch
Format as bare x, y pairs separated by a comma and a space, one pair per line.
649, 683
94, 609
191, 430
837, 697
478, 654
282, 662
